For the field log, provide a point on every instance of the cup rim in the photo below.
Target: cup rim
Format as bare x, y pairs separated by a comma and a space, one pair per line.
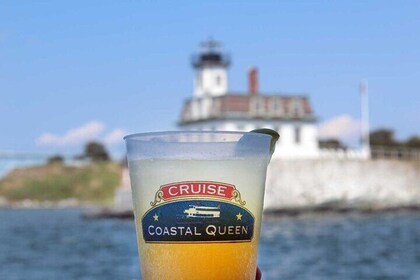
147, 135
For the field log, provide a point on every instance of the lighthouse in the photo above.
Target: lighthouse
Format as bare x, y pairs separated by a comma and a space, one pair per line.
213, 106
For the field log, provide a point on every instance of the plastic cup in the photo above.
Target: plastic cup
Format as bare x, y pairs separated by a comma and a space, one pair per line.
198, 200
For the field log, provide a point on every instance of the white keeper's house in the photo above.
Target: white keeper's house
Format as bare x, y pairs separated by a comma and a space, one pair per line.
214, 106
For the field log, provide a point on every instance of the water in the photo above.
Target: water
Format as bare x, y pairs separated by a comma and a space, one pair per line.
379, 246
58, 244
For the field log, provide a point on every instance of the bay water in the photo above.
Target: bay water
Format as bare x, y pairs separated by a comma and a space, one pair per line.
60, 244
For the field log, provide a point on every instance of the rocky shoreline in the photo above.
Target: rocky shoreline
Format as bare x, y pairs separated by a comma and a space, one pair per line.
110, 213
101, 211
34, 204
341, 210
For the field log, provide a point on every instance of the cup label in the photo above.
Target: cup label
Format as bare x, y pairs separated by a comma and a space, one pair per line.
198, 212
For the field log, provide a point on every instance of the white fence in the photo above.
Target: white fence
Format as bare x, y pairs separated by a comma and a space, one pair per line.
376, 152
343, 154
399, 153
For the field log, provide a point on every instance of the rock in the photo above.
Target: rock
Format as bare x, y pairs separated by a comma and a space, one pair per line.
3, 202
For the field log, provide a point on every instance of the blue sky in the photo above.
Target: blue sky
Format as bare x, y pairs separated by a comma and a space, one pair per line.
70, 70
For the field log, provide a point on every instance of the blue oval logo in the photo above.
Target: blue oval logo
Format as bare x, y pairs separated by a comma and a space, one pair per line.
199, 221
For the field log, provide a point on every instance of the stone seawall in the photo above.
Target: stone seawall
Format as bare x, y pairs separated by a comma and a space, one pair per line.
342, 183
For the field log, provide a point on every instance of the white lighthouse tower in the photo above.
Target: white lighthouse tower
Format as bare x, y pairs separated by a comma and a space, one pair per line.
211, 71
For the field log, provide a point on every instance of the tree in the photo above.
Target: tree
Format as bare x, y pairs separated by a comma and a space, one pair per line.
96, 151
55, 159
383, 137
413, 142
332, 144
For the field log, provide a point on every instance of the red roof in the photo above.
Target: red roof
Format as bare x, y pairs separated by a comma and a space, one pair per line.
241, 106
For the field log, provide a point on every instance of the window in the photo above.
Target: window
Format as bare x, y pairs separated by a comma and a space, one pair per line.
257, 105
276, 107
297, 135
199, 80
296, 109
214, 107
218, 80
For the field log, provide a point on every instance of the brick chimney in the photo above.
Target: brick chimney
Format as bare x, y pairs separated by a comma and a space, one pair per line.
253, 81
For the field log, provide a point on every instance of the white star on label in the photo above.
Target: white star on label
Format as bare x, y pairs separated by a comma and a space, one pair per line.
239, 217
156, 217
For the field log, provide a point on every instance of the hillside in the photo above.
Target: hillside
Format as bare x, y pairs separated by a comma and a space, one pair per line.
95, 183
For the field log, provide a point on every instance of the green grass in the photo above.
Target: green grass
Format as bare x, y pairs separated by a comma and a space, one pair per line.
92, 183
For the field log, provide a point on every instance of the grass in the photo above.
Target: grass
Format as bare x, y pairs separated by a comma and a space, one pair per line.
95, 182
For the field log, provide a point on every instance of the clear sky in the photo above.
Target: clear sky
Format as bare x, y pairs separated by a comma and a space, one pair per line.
74, 70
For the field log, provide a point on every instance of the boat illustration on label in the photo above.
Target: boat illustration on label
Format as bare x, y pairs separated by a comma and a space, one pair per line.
197, 211
215, 215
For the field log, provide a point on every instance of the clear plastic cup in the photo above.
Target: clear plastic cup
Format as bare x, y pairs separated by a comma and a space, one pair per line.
198, 200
